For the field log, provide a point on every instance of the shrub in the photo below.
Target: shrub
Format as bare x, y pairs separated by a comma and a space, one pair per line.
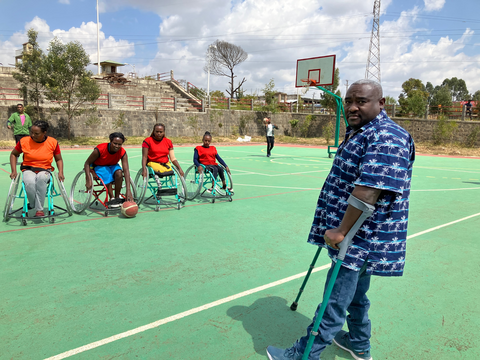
472, 138
444, 131
328, 131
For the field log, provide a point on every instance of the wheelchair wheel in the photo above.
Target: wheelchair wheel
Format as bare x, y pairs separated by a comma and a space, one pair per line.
133, 188
12, 193
140, 187
63, 192
193, 182
79, 196
181, 188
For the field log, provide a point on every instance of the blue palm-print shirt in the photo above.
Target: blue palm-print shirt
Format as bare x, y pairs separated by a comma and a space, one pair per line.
379, 155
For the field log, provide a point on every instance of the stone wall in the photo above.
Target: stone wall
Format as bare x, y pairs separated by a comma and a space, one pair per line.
218, 122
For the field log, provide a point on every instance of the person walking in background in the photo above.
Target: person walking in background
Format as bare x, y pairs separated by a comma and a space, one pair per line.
270, 136
20, 122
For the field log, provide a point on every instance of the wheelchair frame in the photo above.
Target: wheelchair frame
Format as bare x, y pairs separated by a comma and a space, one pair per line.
98, 188
168, 182
10, 213
200, 180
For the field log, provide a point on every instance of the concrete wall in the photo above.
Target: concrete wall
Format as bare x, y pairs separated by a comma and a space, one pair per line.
140, 123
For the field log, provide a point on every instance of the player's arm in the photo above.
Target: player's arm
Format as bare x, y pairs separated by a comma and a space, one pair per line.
171, 155
91, 159
126, 174
362, 193
59, 161
10, 121
13, 163
144, 161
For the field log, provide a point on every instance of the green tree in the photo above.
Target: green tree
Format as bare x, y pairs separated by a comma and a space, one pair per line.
217, 94
476, 98
271, 100
389, 100
442, 99
326, 100
458, 88
431, 91
413, 95
31, 73
69, 83
416, 105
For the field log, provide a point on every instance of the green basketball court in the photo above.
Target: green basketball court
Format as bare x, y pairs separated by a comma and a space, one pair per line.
215, 281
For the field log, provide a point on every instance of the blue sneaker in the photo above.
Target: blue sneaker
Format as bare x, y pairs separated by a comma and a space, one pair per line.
274, 353
342, 341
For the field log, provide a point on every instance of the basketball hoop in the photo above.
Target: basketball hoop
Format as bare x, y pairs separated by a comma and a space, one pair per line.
306, 85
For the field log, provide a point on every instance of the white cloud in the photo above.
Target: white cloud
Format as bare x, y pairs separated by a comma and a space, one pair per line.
86, 34
66, 2
434, 5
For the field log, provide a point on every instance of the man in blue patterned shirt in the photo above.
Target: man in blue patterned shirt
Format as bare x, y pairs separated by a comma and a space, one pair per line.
374, 164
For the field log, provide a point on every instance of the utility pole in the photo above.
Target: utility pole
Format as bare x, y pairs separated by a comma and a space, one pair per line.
346, 87
98, 43
373, 62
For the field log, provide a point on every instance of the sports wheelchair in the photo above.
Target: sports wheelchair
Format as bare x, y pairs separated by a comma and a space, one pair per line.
169, 190
22, 212
81, 199
206, 186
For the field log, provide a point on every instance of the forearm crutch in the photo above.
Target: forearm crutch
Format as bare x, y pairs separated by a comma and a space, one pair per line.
367, 210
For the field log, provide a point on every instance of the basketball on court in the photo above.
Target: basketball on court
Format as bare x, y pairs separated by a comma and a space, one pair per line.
129, 209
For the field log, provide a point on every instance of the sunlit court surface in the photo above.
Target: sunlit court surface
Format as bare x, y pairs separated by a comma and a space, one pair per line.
215, 281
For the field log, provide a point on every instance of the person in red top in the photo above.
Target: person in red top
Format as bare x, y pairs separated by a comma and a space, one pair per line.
207, 155
157, 153
38, 150
104, 161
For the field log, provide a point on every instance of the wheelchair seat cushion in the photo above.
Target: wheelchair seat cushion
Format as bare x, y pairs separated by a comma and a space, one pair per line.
161, 169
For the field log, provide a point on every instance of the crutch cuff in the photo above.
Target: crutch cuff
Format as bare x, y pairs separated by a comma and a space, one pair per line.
366, 208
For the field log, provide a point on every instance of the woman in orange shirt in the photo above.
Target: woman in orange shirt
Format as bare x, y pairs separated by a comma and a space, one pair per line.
38, 150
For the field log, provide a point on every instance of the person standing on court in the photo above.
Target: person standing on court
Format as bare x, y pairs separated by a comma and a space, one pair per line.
20, 122
270, 136
373, 163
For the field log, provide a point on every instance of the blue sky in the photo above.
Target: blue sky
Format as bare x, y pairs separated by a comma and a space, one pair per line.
426, 39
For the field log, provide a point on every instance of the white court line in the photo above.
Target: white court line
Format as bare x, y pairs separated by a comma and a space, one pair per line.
181, 315
472, 188
273, 175
278, 187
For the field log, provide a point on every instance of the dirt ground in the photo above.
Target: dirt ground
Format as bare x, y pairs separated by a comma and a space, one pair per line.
421, 147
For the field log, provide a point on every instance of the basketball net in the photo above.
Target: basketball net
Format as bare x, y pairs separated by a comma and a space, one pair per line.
306, 85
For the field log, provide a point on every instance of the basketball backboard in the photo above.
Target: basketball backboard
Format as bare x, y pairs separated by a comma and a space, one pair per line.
321, 69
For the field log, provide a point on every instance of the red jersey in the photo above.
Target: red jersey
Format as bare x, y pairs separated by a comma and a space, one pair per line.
107, 158
38, 155
206, 156
157, 150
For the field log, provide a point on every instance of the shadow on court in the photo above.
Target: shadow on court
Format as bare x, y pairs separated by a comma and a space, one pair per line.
269, 321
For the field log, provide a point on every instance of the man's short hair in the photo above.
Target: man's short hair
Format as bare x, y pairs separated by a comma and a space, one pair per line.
20, 105
375, 85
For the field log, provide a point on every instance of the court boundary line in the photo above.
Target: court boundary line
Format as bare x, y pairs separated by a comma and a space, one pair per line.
222, 301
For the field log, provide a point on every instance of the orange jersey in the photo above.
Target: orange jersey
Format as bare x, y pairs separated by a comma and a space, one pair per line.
39, 155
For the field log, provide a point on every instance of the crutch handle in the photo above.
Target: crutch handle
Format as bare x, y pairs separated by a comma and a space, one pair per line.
367, 210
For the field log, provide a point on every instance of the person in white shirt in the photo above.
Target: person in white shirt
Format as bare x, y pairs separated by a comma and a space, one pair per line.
270, 136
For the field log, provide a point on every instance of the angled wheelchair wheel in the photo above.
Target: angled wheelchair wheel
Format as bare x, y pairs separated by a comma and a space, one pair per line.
181, 187
63, 192
12, 193
133, 188
79, 196
193, 182
140, 187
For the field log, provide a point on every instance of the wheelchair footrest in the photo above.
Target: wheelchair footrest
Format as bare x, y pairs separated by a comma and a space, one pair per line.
167, 192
